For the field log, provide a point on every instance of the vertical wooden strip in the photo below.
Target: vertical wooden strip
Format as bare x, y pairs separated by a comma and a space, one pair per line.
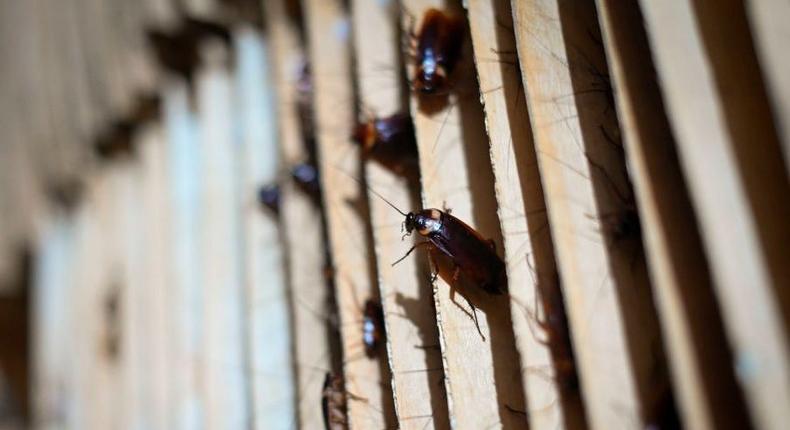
328, 32
729, 230
53, 280
267, 297
157, 287
223, 362
186, 300
552, 400
615, 334
768, 19
133, 314
412, 338
482, 376
708, 395
301, 223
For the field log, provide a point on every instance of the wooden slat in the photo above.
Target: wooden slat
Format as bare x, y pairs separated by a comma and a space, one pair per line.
482, 377
706, 387
128, 177
615, 334
271, 361
187, 286
328, 33
709, 152
769, 20
529, 251
52, 282
412, 338
157, 286
301, 225
223, 361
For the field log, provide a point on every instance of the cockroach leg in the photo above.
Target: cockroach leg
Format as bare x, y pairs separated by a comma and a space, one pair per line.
472, 315
426, 243
514, 410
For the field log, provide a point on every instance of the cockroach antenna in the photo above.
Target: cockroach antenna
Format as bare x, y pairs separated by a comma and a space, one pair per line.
377, 195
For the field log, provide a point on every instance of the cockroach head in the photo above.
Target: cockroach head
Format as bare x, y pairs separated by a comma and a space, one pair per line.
409, 223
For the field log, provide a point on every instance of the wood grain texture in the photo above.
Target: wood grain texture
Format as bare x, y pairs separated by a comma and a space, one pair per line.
482, 377
615, 334
707, 392
301, 223
709, 151
412, 338
329, 33
529, 250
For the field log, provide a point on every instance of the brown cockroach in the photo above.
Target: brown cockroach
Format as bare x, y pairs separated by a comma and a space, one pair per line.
373, 333
438, 49
469, 252
391, 142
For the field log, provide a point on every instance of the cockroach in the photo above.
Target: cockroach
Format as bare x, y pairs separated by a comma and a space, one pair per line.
269, 196
372, 328
439, 43
333, 403
470, 253
391, 142
306, 177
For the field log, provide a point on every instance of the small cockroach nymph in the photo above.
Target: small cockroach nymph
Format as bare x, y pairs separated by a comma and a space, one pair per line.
390, 141
439, 42
269, 197
372, 328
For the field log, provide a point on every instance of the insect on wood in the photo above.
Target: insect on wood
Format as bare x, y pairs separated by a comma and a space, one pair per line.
390, 141
471, 255
438, 48
269, 196
372, 328
333, 403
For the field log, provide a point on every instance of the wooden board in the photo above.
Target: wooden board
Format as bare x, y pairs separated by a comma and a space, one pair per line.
412, 338
768, 21
267, 300
328, 31
705, 383
301, 226
529, 250
186, 291
709, 152
482, 376
223, 358
607, 294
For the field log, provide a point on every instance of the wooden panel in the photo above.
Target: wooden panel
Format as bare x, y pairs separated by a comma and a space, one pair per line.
482, 376
552, 402
273, 391
301, 226
615, 334
709, 150
768, 19
187, 287
412, 338
706, 387
223, 361
328, 33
